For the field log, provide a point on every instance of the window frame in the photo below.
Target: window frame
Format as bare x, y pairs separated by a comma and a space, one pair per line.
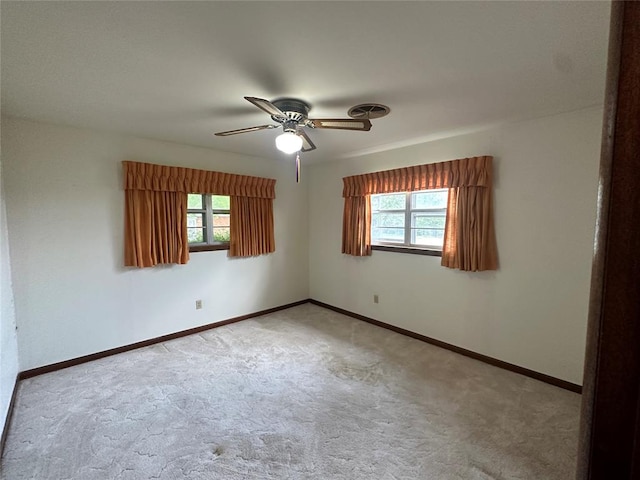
208, 211
407, 246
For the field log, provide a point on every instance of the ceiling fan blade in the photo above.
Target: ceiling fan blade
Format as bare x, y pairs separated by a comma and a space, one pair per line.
307, 144
267, 106
341, 124
246, 130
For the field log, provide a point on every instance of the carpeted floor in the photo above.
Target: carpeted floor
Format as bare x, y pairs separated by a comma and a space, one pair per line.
303, 393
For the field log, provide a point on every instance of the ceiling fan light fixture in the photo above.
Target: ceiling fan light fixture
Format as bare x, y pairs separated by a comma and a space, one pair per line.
289, 142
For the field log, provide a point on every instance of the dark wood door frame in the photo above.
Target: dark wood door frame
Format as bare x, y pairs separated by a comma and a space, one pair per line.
610, 423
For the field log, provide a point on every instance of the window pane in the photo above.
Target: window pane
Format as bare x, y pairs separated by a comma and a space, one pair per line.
221, 234
195, 235
387, 235
426, 220
220, 202
195, 200
221, 230
429, 199
221, 220
427, 236
387, 220
389, 201
195, 219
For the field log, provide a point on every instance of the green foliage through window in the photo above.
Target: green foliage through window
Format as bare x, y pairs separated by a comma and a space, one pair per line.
194, 201
220, 202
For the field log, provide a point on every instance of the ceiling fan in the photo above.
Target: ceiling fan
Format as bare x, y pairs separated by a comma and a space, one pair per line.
292, 115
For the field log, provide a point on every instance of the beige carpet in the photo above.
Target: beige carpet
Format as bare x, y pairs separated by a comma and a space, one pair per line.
304, 393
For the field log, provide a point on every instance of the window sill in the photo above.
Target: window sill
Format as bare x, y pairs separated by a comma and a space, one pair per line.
409, 250
208, 248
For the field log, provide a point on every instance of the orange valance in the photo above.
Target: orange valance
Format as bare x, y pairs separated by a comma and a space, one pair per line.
163, 178
464, 172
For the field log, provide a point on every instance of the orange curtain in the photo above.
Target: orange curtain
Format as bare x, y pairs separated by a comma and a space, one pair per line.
251, 226
469, 232
155, 228
469, 238
356, 226
156, 211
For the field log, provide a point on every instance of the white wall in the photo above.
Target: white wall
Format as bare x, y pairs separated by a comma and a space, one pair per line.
532, 311
65, 206
73, 296
8, 341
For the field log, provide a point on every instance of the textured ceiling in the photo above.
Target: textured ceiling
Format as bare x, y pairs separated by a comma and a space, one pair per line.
178, 71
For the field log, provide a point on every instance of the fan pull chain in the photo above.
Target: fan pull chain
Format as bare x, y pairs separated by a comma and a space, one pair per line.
298, 167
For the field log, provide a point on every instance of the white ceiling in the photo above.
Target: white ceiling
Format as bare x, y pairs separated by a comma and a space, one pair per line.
178, 71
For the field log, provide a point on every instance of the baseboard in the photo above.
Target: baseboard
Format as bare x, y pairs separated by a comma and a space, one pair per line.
7, 420
462, 351
145, 343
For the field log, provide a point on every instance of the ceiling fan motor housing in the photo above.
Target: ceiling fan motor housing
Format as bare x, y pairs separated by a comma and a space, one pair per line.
295, 110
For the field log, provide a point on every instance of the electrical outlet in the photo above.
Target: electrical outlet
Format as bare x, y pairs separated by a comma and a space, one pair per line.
376, 299
198, 304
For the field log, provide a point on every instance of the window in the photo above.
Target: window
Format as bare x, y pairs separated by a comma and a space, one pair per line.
410, 220
208, 218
